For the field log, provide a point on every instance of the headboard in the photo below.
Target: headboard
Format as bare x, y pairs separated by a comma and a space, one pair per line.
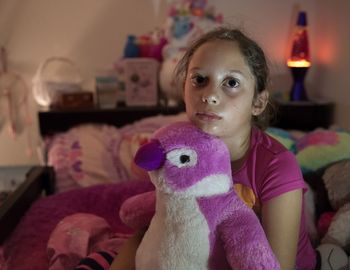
290, 115
54, 120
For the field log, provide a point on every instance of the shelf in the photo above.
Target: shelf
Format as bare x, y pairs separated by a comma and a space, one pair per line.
53, 121
304, 115
290, 115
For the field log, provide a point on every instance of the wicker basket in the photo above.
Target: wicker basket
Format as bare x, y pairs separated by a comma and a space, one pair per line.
47, 87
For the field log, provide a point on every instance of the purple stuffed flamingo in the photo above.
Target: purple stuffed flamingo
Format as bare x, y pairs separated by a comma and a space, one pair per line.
200, 222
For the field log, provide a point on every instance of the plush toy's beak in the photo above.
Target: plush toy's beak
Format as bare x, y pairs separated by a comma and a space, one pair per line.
150, 156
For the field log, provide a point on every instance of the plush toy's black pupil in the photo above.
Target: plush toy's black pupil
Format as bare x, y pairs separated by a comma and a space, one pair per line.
184, 158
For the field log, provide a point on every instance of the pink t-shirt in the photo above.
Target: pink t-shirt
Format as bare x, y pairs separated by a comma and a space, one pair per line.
271, 170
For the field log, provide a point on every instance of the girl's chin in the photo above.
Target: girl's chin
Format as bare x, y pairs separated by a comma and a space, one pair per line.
208, 128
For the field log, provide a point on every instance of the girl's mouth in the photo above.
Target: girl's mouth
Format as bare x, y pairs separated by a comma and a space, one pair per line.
208, 116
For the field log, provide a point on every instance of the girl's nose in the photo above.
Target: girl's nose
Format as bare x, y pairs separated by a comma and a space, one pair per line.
210, 99
210, 96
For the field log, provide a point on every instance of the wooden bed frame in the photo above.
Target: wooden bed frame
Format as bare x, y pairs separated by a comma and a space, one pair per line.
54, 121
38, 179
290, 115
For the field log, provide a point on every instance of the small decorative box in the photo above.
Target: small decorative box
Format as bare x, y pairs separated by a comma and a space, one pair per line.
141, 81
81, 99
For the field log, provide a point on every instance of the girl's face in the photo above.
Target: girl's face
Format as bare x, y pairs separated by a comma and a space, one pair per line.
219, 90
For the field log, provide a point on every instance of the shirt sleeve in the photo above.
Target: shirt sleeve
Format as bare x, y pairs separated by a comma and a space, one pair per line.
281, 174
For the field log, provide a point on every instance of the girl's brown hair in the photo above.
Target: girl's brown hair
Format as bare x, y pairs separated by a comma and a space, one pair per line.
253, 55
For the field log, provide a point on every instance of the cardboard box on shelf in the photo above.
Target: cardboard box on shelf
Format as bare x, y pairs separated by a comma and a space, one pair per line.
141, 81
75, 100
107, 89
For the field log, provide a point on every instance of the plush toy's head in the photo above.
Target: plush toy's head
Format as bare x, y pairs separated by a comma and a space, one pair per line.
181, 157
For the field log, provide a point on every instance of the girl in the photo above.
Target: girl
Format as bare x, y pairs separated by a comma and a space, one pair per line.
225, 75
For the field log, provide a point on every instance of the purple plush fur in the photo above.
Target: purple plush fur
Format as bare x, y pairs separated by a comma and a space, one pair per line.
196, 200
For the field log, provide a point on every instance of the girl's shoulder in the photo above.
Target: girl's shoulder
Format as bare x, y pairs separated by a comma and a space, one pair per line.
269, 155
266, 155
266, 143
276, 169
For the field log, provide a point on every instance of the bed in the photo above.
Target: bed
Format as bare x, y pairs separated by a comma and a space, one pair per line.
91, 157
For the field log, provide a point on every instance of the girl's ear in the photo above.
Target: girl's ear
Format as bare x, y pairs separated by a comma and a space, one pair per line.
260, 102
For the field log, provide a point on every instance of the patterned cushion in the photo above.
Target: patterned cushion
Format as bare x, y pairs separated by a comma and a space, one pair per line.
322, 147
283, 136
93, 154
85, 156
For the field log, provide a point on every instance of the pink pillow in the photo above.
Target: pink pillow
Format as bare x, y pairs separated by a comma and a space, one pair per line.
86, 155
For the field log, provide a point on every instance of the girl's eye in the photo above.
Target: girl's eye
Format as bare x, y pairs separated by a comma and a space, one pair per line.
198, 80
231, 83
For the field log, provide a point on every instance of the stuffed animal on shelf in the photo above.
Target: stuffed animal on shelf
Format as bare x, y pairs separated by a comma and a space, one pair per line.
187, 20
199, 221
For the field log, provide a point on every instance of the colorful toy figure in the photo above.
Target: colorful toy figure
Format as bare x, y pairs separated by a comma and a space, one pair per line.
181, 26
198, 7
131, 48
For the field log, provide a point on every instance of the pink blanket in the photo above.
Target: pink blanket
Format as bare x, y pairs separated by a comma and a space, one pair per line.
26, 247
79, 235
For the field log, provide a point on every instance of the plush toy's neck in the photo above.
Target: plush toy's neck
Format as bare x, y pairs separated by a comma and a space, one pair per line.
177, 229
176, 207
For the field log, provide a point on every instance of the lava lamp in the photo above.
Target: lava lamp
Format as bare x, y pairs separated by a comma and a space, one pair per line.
299, 60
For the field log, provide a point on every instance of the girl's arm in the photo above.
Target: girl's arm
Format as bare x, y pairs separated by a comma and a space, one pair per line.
281, 221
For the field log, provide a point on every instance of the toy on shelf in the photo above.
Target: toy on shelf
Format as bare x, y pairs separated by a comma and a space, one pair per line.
145, 46
131, 48
186, 21
138, 70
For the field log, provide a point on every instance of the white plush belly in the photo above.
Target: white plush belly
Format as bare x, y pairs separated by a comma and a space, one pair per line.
178, 238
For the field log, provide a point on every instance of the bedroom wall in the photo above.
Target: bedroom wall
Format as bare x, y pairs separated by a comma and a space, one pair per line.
93, 33
332, 43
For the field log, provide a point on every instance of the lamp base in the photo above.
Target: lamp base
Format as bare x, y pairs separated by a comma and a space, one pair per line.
298, 92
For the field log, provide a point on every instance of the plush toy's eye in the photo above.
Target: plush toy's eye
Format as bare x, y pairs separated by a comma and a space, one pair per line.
182, 157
